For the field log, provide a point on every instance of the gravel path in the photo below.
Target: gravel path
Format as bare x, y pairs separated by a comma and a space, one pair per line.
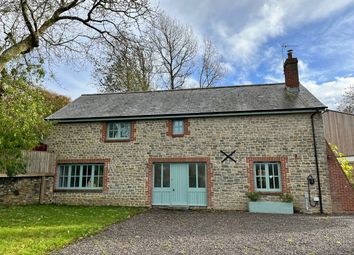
222, 232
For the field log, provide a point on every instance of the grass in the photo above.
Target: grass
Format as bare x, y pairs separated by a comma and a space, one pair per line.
39, 229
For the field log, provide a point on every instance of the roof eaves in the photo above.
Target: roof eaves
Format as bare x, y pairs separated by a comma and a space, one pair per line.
191, 115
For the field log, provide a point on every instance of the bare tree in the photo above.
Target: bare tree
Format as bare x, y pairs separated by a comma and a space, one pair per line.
73, 25
211, 70
347, 103
127, 67
175, 48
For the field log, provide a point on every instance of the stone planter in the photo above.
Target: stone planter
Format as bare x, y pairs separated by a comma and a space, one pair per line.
270, 207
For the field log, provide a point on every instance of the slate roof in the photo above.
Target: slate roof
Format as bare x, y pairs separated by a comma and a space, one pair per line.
217, 100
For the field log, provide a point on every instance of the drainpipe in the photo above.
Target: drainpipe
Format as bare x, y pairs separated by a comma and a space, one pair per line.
316, 160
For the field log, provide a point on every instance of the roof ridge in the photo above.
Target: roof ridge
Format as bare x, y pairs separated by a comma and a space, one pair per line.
187, 89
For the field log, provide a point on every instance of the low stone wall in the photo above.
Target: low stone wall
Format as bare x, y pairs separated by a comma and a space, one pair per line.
341, 190
25, 190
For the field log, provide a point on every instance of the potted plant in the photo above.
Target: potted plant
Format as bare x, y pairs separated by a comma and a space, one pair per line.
285, 206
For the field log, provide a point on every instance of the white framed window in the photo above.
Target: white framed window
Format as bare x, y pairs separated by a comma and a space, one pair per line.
177, 127
118, 130
80, 176
161, 175
197, 175
267, 176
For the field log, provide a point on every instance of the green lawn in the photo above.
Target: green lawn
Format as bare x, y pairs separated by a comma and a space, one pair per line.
39, 229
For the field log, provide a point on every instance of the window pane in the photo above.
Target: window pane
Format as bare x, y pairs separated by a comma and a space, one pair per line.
271, 182
276, 182
192, 175
264, 183
111, 129
270, 169
80, 176
118, 130
124, 131
115, 126
100, 182
166, 175
84, 176
263, 169
267, 176
100, 170
60, 176
75, 176
178, 127
271, 176
258, 180
201, 175
157, 176
276, 173
257, 169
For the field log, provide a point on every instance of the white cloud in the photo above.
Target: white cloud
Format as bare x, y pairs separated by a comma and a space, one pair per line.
241, 27
268, 23
70, 83
191, 83
329, 92
248, 34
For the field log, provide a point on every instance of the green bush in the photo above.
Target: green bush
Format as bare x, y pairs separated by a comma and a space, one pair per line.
344, 162
287, 197
253, 196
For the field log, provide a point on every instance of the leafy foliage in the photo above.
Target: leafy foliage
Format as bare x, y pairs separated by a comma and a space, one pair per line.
344, 162
287, 197
22, 124
53, 100
253, 196
39, 229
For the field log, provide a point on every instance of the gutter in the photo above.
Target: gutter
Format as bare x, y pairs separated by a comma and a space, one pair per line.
186, 115
316, 159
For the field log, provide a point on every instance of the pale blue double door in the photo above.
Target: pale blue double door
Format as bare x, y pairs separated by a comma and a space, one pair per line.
179, 184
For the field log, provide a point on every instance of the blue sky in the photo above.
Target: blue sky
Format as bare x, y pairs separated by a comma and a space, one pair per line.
249, 35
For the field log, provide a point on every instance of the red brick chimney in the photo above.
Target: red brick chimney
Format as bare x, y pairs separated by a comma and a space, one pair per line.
291, 73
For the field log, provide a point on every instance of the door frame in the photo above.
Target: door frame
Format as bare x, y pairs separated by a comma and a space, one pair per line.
149, 175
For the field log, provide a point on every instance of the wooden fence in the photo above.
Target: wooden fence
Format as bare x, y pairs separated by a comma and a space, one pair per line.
339, 130
38, 163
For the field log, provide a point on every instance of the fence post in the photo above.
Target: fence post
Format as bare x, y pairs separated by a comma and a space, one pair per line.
42, 191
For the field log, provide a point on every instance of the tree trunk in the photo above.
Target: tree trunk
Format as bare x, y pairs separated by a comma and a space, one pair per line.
15, 51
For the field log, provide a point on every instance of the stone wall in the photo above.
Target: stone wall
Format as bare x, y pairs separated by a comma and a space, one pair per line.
287, 136
24, 190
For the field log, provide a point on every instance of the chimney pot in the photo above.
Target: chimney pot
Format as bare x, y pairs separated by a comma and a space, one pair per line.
291, 73
290, 54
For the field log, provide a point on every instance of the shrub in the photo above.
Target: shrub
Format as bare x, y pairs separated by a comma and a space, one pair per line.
253, 196
287, 197
344, 163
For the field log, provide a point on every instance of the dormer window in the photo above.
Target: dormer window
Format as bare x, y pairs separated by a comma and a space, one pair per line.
177, 127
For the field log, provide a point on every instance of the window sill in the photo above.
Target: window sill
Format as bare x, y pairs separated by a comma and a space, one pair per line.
117, 141
270, 193
177, 135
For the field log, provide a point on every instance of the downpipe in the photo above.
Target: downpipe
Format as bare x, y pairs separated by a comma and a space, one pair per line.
316, 160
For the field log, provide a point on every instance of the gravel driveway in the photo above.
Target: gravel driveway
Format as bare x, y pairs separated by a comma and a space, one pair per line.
222, 232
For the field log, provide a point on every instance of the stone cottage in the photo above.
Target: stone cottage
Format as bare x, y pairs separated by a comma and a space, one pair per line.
192, 147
